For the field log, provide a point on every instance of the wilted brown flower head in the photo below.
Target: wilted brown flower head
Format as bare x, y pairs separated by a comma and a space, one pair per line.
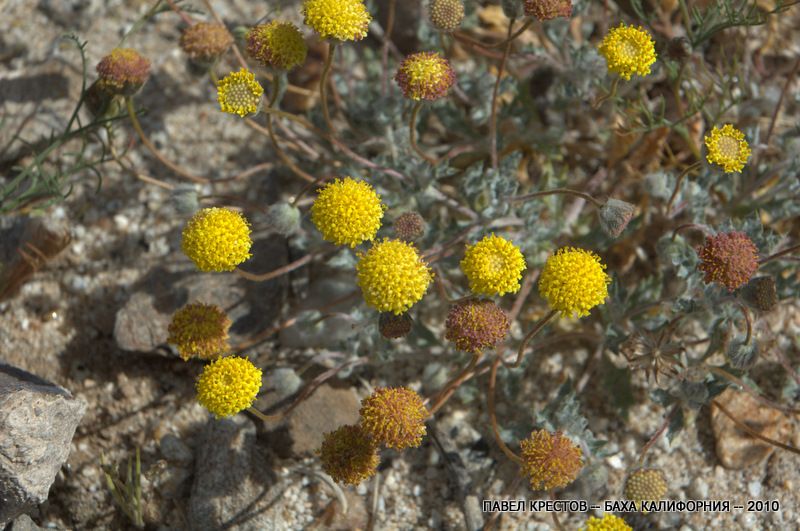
729, 258
761, 293
551, 460
123, 71
548, 9
646, 484
615, 216
394, 417
349, 455
204, 41
476, 324
409, 226
446, 15
393, 326
199, 330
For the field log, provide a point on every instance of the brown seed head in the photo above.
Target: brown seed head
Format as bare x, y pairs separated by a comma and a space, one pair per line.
123, 71
551, 460
761, 293
446, 15
729, 258
409, 226
548, 9
476, 324
393, 326
394, 417
646, 484
204, 42
349, 455
199, 330
615, 216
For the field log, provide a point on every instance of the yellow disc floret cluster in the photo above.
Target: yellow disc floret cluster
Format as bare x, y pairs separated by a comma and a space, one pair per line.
217, 239
239, 93
628, 50
425, 76
349, 455
493, 266
728, 148
550, 460
199, 330
608, 522
646, 484
228, 386
347, 212
277, 44
344, 20
394, 417
392, 276
574, 281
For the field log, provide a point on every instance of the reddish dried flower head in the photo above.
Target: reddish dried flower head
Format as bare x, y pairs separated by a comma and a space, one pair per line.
393, 326
394, 417
446, 15
204, 42
425, 76
729, 258
349, 455
476, 324
551, 460
123, 71
548, 9
409, 226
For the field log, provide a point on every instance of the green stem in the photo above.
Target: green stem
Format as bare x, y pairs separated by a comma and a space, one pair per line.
566, 191
412, 131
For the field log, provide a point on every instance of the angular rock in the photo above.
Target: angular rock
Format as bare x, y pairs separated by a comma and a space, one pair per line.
735, 448
37, 422
324, 411
142, 322
233, 486
23, 523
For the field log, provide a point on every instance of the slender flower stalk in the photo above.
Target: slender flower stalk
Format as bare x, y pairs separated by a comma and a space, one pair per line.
412, 132
323, 85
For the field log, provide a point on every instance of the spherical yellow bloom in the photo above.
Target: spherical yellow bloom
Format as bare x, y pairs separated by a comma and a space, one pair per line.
278, 44
239, 93
217, 239
728, 148
392, 276
394, 417
574, 281
493, 266
628, 50
550, 460
345, 20
228, 385
347, 212
349, 455
199, 330
425, 76
608, 522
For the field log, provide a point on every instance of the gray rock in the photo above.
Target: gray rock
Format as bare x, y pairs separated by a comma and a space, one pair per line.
174, 449
23, 523
324, 411
142, 322
37, 422
233, 486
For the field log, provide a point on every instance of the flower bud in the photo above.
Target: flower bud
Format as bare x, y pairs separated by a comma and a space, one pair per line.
742, 355
646, 484
409, 226
393, 326
446, 15
761, 293
615, 216
512, 8
185, 199
283, 218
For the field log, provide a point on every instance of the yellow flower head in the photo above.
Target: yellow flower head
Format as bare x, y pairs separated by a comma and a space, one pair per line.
493, 266
228, 385
574, 281
217, 239
392, 276
199, 330
239, 93
550, 460
394, 417
123, 71
728, 148
646, 484
349, 455
347, 212
628, 50
608, 522
205, 42
345, 20
425, 76
278, 44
